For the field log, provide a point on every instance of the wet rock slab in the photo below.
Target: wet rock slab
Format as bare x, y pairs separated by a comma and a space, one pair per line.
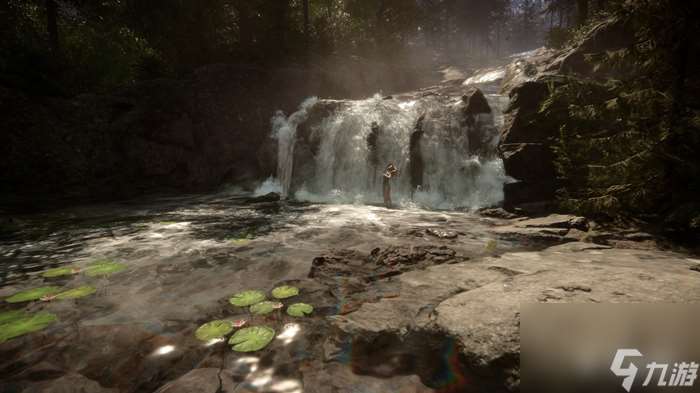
477, 303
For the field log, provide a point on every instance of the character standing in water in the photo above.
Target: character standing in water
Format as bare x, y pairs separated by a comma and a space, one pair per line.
389, 173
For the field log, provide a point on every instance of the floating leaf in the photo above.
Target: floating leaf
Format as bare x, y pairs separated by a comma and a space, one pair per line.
104, 268
284, 292
240, 242
491, 245
59, 271
265, 307
300, 309
252, 339
247, 298
32, 294
213, 330
77, 293
9, 316
27, 324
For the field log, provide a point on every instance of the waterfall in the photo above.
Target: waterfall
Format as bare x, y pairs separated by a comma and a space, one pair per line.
346, 168
445, 149
284, 130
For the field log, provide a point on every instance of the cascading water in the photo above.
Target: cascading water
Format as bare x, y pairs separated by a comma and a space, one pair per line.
446, 155
284, 130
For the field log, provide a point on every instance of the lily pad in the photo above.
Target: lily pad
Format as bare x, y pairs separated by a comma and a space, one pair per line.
284, 292
104, 268
59, 272
77, 293
300, 309
247, 298
252, 339
32, 294
240, 242
263, 308
26, 324
213, 330
9, 316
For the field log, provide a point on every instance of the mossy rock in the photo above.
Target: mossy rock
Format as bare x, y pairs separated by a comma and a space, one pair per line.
33, 294
214, 330
247, 298
252, 339
77, 293
59, 272
264, 308
300, 310
104, 268
284, 292
27, 324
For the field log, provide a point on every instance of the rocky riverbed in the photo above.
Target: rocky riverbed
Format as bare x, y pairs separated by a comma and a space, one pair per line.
404, 300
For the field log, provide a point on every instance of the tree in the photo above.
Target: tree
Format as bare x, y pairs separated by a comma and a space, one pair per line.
52, 25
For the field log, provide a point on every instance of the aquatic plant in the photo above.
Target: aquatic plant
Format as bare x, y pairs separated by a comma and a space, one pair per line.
104, 268
247, 298
214, 330
491, 246
32, 294
240, 242
9, 316
77, 293
59, 272
19, 326
300, 309
284, 292
252, 339
264, 308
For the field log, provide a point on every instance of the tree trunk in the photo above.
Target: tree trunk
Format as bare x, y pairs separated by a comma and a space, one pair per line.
581, 12
307, 31
52, 25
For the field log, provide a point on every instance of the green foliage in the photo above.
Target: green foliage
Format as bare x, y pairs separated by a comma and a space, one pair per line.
284, 292
247, 298
252, 339
300, 310
214, 330
25, 324
32, 294
627, 139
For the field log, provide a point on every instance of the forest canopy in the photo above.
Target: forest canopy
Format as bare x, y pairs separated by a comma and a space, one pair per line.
72, 46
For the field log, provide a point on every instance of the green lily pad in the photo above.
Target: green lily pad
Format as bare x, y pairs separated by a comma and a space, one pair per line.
59, 271
213, 330
9, 316
263, 308
77, 293
32, 294
240, 242
284, 292
247, 298
104, 268
252, 339
300, 309
26, 324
